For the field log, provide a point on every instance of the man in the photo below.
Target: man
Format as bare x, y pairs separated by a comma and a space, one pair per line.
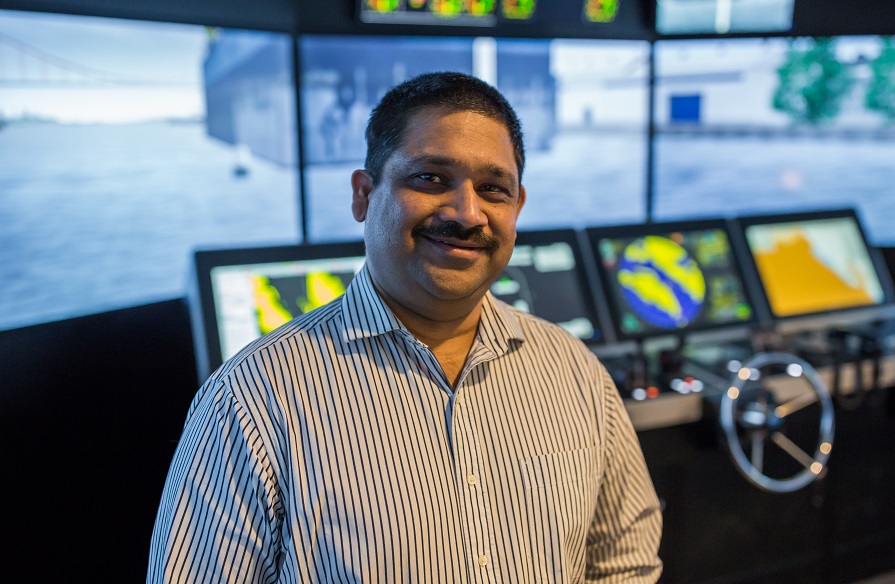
417, 429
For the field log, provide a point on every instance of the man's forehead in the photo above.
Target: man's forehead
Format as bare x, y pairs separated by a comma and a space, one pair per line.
421, 143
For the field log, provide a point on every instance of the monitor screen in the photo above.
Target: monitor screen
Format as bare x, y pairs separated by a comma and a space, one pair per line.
667, 278
547, 277
813, 263
437, 12
583, 106
243, 294
754, 126
723, 16
124, 146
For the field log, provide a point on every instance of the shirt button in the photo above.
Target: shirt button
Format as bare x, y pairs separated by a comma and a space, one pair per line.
483, 560
471, 480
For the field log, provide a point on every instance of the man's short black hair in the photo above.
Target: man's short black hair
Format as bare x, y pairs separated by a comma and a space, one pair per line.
448, 90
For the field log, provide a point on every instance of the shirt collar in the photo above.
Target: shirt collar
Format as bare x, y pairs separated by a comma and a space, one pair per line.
366, 315
364, 312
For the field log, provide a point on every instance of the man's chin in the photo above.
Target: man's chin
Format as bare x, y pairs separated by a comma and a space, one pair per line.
449, 284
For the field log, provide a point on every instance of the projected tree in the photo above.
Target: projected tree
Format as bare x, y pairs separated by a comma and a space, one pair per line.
813, 82
881, 88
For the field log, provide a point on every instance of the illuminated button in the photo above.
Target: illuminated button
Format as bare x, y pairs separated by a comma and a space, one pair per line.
483, 560
639, 394
733, 392
794, 370
826, 447
697, 386
816, 468
470, 479
652, 392
733, 366
744, 373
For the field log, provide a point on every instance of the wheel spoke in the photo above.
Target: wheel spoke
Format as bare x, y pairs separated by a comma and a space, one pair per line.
758, 450
796, 404
792, 449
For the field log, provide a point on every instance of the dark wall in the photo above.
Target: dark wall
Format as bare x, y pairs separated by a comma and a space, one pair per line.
90, 412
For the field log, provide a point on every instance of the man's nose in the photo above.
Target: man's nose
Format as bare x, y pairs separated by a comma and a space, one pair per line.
464, 206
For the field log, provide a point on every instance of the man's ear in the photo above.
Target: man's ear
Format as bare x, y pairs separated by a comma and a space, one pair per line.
521, 200
361, 187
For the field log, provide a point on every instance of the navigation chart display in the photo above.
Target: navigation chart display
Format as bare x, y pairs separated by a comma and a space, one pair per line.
665, 278
252, 300
546, 277
811, 266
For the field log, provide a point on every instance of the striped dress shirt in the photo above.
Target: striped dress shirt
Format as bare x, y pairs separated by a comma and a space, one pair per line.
335, 450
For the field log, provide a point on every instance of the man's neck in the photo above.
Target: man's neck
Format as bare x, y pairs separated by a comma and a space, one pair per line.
448, 331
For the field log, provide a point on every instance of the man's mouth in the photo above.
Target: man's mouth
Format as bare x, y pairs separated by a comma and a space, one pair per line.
452, 235
458, 243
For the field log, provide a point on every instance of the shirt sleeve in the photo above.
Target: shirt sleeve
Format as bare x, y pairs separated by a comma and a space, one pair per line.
623, 539
217, 519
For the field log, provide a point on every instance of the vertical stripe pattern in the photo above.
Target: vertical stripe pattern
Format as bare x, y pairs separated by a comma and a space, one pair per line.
335, 450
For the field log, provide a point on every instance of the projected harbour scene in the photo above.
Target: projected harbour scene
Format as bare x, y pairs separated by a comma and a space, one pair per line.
253, 300
814, 266
748, 126
673, 281
127, 144
583, 106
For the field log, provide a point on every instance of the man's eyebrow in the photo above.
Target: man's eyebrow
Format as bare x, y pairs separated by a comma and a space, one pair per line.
448, 161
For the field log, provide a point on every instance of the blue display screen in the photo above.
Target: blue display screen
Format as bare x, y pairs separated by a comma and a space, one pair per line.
583, 106
127, 144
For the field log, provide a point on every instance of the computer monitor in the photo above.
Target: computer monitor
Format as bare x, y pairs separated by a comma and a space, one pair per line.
670, 278
815, 263
687, 17
547, 277
242, 294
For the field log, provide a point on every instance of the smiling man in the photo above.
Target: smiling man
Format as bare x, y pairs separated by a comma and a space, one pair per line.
416, 429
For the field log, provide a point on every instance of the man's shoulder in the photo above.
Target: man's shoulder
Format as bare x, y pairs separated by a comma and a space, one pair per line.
538, 331
278, 344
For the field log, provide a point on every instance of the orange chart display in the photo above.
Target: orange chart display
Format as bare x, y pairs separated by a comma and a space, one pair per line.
814, 266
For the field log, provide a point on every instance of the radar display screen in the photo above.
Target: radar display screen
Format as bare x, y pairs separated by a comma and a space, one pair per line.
246, 293
253, 300
670, 278
451, 12
546, 277
813, 264
600, 11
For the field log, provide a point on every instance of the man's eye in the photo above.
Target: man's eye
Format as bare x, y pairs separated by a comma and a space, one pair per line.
429, 177
495, 189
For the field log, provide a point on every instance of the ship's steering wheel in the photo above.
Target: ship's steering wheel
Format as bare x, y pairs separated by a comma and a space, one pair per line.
755, 409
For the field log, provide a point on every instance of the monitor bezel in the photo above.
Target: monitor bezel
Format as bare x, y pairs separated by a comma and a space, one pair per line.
822, 318
206, 336
595, 234
585, 275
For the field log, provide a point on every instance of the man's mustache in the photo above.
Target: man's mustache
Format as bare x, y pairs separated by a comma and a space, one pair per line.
453, 230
